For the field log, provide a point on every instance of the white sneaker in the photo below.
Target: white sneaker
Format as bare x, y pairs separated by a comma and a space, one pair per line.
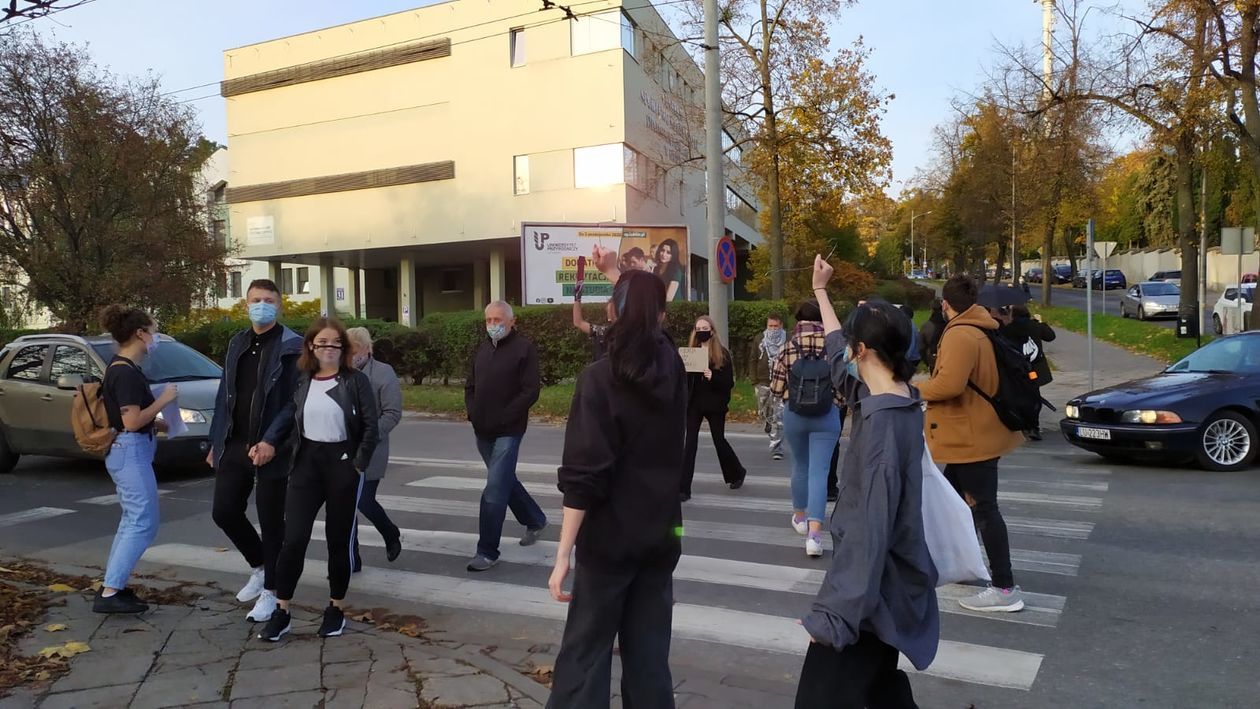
263, 609
800, 524
253, 588
813, 545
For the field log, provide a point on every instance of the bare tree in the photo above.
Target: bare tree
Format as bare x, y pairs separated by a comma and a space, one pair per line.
34, 9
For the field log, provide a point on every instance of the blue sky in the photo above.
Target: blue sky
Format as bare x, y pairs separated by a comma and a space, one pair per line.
925, 51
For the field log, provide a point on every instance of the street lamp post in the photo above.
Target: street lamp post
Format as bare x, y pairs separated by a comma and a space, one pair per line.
913, 216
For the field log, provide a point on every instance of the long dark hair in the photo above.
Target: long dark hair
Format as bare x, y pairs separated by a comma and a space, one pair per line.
885, 330
673, 256
639, 298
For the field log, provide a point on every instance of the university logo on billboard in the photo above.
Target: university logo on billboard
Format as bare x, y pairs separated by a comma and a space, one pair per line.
540, 239
542, 242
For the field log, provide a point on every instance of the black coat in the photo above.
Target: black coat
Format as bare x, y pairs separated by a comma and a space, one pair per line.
1029, 335
279, 380
712, 395
355, 394
502, 386
930, 339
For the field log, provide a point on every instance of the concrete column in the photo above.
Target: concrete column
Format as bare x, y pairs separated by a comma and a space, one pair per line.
327, 286
498, 274
273, 272
480, 269
408, 306
353, 291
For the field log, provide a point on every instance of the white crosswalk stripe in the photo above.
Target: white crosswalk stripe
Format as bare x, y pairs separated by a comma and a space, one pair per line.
965, 662
113, 499
32, 515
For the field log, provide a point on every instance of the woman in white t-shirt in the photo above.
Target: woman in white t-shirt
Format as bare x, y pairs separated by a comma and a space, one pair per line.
335, 433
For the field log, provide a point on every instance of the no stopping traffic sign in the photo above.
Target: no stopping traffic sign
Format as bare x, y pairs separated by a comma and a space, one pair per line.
726, 259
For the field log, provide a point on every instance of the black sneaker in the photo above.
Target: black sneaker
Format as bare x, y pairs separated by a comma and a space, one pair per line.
393, 548
124, 601
334, 622
277, 627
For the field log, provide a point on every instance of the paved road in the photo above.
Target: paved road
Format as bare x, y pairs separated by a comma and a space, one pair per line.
1141, 580
1069, 297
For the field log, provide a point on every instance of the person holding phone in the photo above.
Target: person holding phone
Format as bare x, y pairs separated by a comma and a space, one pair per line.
132, 410
597, 332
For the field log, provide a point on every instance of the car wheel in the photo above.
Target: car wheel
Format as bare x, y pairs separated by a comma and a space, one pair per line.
1141, 313
8, 459
1227, 442
1217, 327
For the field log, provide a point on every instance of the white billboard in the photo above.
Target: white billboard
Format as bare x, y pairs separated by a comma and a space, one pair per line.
549, 258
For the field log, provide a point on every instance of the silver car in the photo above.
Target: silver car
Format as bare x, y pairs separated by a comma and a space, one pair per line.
1151, 300
38, 377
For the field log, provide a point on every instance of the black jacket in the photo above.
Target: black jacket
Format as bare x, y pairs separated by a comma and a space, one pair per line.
623, 461
1028, 335
502, 386
712, 395
930, 339
279, 381
358, 403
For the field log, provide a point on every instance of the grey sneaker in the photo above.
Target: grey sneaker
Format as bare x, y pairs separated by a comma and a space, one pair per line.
531, 536
995, 600
481, 563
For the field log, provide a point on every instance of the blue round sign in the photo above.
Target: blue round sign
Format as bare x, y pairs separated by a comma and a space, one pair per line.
726, 259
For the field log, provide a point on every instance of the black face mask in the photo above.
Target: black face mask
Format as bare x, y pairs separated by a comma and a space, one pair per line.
703, 336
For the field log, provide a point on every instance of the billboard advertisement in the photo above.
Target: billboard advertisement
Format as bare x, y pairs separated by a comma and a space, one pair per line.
549, 259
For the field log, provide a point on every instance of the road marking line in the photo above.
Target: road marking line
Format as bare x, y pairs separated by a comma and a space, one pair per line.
113, 499
1021, 559
965, 662
1041, 610
32, 515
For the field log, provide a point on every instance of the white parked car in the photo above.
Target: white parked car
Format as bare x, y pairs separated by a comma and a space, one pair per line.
1227, 314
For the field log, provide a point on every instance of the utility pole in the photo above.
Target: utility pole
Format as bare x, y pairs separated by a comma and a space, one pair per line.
1014, 248
716, 194
912, 218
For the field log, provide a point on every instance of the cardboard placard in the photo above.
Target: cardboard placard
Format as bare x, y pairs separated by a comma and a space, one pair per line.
695, 359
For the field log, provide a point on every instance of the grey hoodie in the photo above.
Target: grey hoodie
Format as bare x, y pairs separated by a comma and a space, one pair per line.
881, 578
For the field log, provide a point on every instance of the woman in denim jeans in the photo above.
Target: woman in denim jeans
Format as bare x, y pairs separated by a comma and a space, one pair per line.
131, 409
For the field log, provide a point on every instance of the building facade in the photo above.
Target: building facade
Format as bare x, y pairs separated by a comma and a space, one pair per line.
396, 158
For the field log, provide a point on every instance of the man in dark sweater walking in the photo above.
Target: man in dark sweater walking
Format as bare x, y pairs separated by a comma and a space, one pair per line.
501, 387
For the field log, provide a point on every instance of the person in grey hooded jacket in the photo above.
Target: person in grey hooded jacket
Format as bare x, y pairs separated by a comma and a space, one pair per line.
389, 405
878, 598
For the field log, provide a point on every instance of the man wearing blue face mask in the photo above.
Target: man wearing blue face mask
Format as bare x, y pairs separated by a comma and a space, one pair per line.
249, 435
500, 389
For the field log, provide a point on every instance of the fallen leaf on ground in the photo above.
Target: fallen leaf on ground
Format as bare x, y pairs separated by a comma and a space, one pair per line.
6, 571
70, 649
55, 627
62, 588
221, 550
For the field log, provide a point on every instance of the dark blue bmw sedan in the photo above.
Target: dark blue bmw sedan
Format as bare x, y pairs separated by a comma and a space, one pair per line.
1205, 408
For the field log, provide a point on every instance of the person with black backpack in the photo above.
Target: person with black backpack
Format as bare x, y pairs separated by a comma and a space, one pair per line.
971, 423
811, 421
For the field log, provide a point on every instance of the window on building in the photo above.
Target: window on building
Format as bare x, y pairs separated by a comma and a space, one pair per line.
631, 172
304, 280
219, 232
740, 207
286, 281
516, 41
731, 150
28, 363
220, 194
234, 284
599, 165
452, 281
599, 31
220, 286
521, 174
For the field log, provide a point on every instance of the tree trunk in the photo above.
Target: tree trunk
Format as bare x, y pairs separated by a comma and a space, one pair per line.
1047, 255
773, 201
1187, 237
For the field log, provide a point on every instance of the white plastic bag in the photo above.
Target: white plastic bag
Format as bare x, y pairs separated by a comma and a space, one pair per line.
949, 528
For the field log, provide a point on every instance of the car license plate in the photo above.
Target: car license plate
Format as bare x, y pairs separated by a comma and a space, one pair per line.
1095, 434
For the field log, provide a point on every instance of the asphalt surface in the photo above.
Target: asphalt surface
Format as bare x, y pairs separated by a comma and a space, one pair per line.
1144, 577
1106, 302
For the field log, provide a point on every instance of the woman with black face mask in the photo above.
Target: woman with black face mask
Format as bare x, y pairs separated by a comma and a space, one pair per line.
709, 397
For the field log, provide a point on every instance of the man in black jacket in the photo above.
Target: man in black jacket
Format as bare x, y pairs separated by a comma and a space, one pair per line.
249, 437
498, 393
1030, 335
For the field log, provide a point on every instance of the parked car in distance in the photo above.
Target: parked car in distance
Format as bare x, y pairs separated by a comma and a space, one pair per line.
1062, 273
1081, 278
1205, 408
918, 274
1034, 275
1151, 300
1233, 309
39, 375
1249, 278
1114, 280
1167, 277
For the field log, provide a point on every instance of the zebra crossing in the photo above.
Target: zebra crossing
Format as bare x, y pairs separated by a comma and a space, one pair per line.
743, 579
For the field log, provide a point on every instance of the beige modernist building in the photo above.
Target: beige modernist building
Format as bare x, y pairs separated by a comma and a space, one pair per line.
403, 153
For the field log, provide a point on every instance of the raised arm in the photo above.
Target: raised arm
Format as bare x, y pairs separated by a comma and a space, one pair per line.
822, 274
578, 321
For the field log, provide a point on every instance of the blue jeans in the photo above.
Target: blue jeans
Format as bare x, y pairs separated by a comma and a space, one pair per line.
811, 440
503, 491
130, 464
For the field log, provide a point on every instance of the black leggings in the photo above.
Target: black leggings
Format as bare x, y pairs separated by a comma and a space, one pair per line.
322, 476
862, 675
234, 480
732, 470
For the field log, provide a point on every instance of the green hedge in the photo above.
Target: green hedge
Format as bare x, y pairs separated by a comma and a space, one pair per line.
443, 344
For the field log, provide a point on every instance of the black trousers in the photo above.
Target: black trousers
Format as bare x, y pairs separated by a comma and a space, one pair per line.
833, 480
376, 515
977, 484
322, 477
635, 606
234, 480
732, 470
861, 675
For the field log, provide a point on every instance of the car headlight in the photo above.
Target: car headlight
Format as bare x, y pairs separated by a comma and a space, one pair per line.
192, 416
1072, 411
1150, 417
